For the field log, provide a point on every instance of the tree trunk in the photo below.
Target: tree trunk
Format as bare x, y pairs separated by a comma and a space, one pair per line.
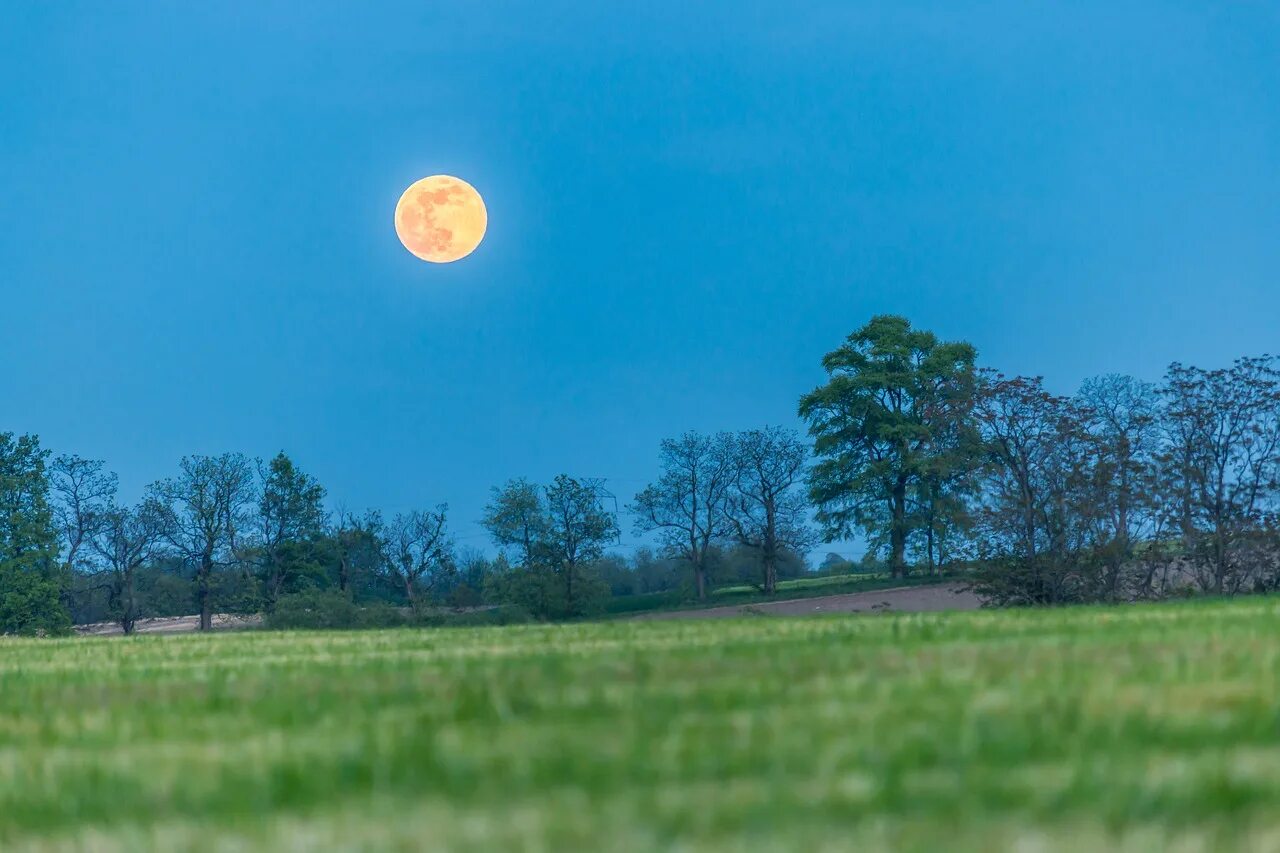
700, 578
275, 582
130, 613
769, 554
202, 590
408, 593
898, 530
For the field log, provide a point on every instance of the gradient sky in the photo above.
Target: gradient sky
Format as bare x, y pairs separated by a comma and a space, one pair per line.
689, 203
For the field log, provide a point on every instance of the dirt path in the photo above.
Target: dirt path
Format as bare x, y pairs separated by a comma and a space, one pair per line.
903, 599
170, 625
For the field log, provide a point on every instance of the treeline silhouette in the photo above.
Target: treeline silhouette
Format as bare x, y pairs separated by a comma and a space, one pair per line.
228, 534
1124, 490
1127, 489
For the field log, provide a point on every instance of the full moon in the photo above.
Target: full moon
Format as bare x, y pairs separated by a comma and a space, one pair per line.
441, 219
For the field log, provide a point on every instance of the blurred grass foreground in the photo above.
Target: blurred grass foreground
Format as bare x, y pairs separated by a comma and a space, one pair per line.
1083, 728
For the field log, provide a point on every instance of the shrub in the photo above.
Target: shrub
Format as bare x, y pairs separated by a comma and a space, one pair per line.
315, 609
30, 602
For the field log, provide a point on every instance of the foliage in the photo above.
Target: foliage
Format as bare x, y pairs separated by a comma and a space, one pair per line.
124, 540
30, 601
541, 591
558, 532
892, 419
356, 551
516, 518
316, 609
1129, 491
290, 516
203, 512
1123, 491
744, 565
31, 583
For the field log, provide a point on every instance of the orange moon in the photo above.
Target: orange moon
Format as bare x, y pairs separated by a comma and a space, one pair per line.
441, 219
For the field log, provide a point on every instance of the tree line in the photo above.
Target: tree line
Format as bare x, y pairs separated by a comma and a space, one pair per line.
1125, 489
228, 533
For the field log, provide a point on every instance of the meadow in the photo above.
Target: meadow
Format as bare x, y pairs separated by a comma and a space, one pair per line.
1128, 727
792, 588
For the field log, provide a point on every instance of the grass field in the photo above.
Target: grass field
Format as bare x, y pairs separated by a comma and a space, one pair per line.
1070, 729
787, 589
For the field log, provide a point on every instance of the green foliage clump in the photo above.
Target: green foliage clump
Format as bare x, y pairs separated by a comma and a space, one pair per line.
317, 609
542, 592
30, 601
31, 582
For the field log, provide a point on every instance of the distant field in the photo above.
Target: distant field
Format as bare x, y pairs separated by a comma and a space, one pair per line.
787, 589
1068, 729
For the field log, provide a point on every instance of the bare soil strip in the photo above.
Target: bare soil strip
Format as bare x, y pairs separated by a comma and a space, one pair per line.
170, 625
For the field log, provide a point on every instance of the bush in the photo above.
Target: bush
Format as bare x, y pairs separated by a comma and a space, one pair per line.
648, 601
30, 602
166, 593
506, 614
329, 609
541, 592
315, 609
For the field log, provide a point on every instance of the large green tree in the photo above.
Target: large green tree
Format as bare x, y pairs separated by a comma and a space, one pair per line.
290, 518
889, 412
30, 582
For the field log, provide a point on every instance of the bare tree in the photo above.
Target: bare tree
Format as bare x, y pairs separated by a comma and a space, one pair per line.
766, 507
419, 550
82, 491
202, 512
1223, 466
1036, 523
1122, 417
688, 506
124, 540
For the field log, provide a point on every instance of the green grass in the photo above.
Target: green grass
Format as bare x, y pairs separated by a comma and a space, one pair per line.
788, 589
792, 584
1087, 728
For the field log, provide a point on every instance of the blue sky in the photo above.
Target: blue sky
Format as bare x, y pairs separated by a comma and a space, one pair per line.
689, 203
